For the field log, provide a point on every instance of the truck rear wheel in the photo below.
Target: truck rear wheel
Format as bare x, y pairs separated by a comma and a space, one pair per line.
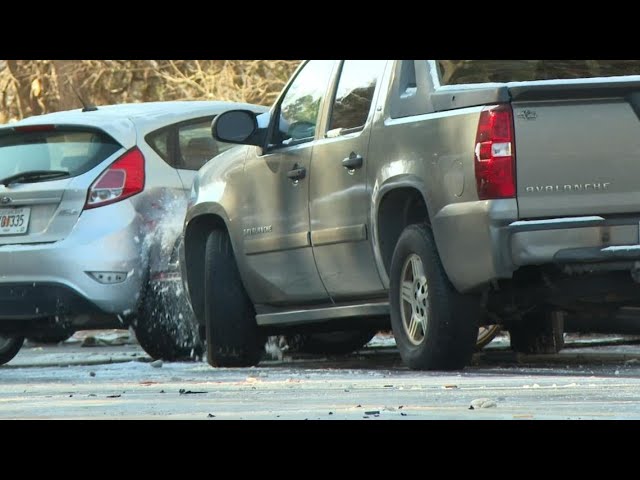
435, 327
233, 336
538, 333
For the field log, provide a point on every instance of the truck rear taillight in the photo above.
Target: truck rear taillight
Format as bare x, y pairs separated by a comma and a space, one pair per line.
495, 154
123, 178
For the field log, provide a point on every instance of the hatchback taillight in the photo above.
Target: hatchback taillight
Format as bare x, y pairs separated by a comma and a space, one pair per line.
123, 178
495, 154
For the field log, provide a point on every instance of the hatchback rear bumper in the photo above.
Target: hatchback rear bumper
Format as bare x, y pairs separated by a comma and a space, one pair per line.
37, 300
51, 278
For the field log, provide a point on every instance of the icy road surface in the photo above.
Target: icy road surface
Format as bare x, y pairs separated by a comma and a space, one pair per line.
68, 381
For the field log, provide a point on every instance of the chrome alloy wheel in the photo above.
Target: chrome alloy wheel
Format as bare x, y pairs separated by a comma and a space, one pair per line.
414, 300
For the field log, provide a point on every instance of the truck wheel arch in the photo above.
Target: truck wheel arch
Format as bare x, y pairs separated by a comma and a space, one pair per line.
398, 205
195, 240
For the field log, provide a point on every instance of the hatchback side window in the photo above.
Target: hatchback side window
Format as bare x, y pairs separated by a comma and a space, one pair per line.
159, 141
196, 146
300, 106
354, 94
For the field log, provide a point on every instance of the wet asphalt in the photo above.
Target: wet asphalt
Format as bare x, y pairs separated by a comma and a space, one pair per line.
112, 378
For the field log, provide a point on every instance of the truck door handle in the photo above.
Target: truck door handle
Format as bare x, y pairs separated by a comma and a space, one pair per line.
353, 161
298, 173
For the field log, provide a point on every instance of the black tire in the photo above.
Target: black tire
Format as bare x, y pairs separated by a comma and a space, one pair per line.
9, 348
538, 333
449, 339
330, 343
164, 325
233, 337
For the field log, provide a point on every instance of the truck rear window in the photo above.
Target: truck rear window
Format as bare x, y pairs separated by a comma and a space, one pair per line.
72, 150
456, 72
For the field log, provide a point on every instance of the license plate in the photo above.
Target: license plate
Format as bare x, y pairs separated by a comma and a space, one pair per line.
14, 221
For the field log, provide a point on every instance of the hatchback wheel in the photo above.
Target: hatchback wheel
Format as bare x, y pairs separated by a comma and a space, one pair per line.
165, 326
9, 348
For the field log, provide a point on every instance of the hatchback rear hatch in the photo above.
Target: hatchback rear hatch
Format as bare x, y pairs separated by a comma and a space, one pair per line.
577, 132
45, 174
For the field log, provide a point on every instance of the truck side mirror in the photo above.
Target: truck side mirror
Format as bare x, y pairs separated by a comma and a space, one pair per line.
236, 126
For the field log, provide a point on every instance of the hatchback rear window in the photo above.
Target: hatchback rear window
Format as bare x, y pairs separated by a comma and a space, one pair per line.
455, 72
71, 150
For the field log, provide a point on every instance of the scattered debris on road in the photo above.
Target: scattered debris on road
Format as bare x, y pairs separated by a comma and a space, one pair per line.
102, 338
182, 391
156, 363
482, 403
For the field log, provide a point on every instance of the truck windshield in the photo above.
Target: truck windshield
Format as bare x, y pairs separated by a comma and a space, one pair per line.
456, 72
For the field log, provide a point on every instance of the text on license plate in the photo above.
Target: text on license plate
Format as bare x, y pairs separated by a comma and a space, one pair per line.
14, 221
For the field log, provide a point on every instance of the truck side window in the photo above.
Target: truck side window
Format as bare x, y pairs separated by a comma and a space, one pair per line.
354, 94
411, 89
300, 107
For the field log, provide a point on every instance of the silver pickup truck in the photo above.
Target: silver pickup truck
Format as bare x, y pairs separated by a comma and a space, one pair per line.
439, 195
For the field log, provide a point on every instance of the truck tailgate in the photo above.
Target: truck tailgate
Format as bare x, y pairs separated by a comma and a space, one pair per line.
577, 147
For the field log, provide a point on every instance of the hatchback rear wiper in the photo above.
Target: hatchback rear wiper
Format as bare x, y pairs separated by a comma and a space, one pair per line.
34, 176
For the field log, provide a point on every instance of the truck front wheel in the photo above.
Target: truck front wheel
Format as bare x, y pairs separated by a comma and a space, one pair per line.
233, 337
435, 327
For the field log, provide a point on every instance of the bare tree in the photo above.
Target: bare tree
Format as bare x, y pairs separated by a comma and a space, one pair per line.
32, 87
63, 78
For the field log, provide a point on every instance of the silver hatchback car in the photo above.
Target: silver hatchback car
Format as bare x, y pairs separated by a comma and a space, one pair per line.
91, 209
